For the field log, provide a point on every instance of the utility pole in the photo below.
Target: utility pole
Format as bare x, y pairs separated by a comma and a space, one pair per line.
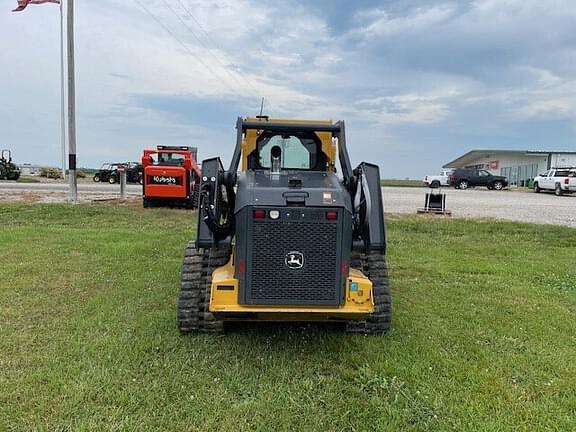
73, 192
62, 95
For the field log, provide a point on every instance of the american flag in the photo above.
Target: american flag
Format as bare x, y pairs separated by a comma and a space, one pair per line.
23, 3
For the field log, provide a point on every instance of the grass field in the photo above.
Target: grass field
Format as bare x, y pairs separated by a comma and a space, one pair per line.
26, 179
401, 183
484, 334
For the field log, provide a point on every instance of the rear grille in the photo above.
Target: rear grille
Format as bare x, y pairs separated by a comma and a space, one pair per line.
272, 281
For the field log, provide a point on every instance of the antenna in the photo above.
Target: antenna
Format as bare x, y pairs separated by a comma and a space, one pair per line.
261, 107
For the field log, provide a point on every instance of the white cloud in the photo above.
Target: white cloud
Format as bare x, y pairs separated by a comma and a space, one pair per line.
406, 108
122, 52
379, 22
507, 10
391, 69
540, 94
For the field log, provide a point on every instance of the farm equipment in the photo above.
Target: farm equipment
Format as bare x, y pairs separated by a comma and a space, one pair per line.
8, 169
171, 176
435, 200
286, 239
134, 172
434, 203
108, 172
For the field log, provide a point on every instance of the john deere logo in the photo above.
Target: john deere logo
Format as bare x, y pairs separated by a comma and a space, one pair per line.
294, 260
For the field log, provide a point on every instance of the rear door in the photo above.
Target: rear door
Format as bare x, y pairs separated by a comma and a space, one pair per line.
572, 180
560, 177
481, 178
165, 182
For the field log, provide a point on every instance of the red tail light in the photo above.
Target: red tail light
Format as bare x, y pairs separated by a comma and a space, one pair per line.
259, 214
331, 215
566, 181
241, 267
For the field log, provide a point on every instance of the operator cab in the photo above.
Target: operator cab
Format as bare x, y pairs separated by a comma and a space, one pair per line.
293, 151
167, 158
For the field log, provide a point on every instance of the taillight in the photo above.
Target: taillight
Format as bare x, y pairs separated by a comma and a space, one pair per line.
259, 214
331, 215
566, 181
241, 266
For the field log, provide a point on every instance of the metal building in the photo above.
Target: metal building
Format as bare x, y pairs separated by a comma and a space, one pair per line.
519, 166
30, 170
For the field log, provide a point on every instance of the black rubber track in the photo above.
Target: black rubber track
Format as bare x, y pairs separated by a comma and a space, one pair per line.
196, 194
374, 267
194, 298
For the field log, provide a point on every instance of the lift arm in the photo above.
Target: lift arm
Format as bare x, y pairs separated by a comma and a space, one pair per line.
369, 229
216, 211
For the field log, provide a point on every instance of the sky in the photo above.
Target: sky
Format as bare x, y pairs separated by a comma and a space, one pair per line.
418, 82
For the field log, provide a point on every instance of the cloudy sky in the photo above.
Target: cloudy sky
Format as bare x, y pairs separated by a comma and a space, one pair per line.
418, 81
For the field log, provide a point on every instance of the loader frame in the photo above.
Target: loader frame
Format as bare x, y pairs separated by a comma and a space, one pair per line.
220, 280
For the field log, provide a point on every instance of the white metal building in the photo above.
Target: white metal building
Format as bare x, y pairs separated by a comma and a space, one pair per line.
518, 165
30, 169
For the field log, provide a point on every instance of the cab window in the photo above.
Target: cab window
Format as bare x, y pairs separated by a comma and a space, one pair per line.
298, 152
170, 159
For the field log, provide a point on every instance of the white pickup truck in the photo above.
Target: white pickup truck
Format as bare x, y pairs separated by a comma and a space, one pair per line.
559, 180
435, 181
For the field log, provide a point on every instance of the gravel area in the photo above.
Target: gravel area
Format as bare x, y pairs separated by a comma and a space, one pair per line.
472, 203
57, 191
513, 205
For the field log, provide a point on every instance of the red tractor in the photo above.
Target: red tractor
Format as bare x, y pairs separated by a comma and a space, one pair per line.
171, 176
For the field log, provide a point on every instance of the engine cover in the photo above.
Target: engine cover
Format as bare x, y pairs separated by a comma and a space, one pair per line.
295, 259
292, 243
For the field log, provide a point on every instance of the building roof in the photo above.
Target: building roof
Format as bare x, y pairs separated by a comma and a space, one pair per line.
472, 155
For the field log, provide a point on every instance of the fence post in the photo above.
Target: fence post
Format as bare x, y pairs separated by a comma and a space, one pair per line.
122, 171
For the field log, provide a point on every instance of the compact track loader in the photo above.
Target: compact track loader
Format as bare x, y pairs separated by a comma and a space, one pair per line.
284, 238
170, 176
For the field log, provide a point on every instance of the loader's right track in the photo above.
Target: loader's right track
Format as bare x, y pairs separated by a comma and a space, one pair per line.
194, 298
373, 265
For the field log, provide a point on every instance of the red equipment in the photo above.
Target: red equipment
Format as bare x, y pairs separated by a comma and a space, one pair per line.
171, 176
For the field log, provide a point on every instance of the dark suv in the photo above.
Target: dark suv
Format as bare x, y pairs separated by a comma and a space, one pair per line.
463, 178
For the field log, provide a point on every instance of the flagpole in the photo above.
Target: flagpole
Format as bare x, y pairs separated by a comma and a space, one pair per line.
62, 95
73, 190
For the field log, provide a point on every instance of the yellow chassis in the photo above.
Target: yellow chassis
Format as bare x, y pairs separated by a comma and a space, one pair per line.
224, 301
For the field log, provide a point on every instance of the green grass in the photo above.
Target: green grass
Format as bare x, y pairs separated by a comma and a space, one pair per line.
25, 179
401, 183
484, 334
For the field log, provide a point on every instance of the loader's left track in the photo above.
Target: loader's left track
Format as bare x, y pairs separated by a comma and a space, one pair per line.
194, 298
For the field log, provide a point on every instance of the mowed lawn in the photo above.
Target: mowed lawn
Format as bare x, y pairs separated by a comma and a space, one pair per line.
484, 334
